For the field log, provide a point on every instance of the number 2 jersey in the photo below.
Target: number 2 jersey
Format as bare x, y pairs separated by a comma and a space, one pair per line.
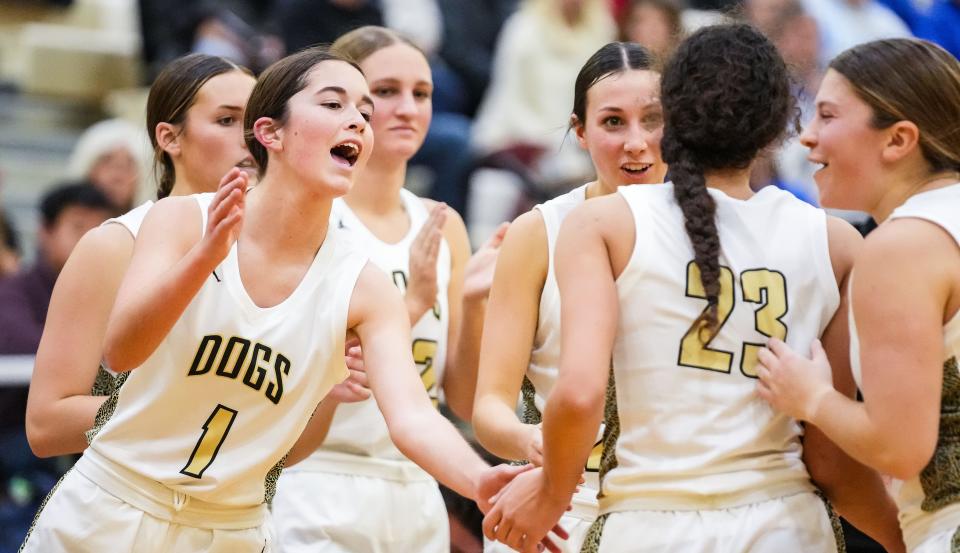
211, 413
358, 441
691, 431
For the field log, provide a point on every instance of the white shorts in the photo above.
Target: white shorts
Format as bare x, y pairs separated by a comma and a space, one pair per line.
576, 527
82, 517
322, 512
941, 542
798, 523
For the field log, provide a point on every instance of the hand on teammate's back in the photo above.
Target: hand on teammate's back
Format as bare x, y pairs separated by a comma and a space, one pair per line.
422, 287
790, 382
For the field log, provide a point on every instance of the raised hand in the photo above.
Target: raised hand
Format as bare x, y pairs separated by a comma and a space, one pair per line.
225, 215
524, 512
421, 292
478, 274
790, 382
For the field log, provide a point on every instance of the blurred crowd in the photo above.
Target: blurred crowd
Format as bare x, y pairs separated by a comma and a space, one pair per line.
503, 72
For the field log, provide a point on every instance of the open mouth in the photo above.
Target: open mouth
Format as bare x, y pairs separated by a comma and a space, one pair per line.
346, 153
636, 169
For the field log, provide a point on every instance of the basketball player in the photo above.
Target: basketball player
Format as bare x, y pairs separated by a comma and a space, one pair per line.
358, 492
195, 120
886, 133
618, 120
232, 319
686, 281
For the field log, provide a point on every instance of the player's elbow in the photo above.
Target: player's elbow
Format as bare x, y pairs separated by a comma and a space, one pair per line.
906, 463
117, 356
461, 404
42, 435
402, 434
480, 421
575, 402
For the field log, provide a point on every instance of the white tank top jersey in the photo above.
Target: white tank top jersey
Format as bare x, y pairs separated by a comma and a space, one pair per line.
545, 356
359, 442
693, 434
228, 391
132, 219
929, 503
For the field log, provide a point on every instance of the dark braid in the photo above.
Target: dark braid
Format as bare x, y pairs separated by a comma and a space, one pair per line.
726, 96
699, 218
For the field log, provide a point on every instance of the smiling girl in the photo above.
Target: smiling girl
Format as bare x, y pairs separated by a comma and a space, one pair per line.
887, 137
358, 492
617, 118
231, 321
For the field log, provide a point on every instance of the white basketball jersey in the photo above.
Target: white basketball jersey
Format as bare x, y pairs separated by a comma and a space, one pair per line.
928, 503
359, 441
132, 219
693, 434
228, 391
545, 356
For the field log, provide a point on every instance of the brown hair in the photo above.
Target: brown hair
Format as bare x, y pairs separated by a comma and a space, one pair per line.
612, 58
276, 85
359, 44
726, 96
172, 94
913, 80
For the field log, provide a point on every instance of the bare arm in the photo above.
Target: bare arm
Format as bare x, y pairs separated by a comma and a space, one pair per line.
60, 408
314, 433
509, 331
856, 491
378, 316
900, 322
351, 390
170, 263
586, 259
470, 280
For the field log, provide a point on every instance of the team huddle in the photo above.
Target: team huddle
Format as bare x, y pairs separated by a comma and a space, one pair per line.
277, 330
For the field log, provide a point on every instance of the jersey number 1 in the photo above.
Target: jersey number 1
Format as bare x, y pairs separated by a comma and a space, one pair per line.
765, 287
214, 433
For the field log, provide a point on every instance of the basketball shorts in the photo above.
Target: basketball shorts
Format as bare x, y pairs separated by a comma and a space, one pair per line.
797, 523
81, 516
324, 512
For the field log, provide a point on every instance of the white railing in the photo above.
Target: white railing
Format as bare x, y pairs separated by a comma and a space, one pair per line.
15, 370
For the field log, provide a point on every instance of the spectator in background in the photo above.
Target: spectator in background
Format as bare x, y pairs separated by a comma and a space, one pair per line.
654, 24
303, 23
419, 21
67, 212
941, 24
111, 155
846, 23
242, 31
470, 32
526, 109
796, 36
9, 247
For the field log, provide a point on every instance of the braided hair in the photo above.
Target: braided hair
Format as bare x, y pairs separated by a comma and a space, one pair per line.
726, 96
